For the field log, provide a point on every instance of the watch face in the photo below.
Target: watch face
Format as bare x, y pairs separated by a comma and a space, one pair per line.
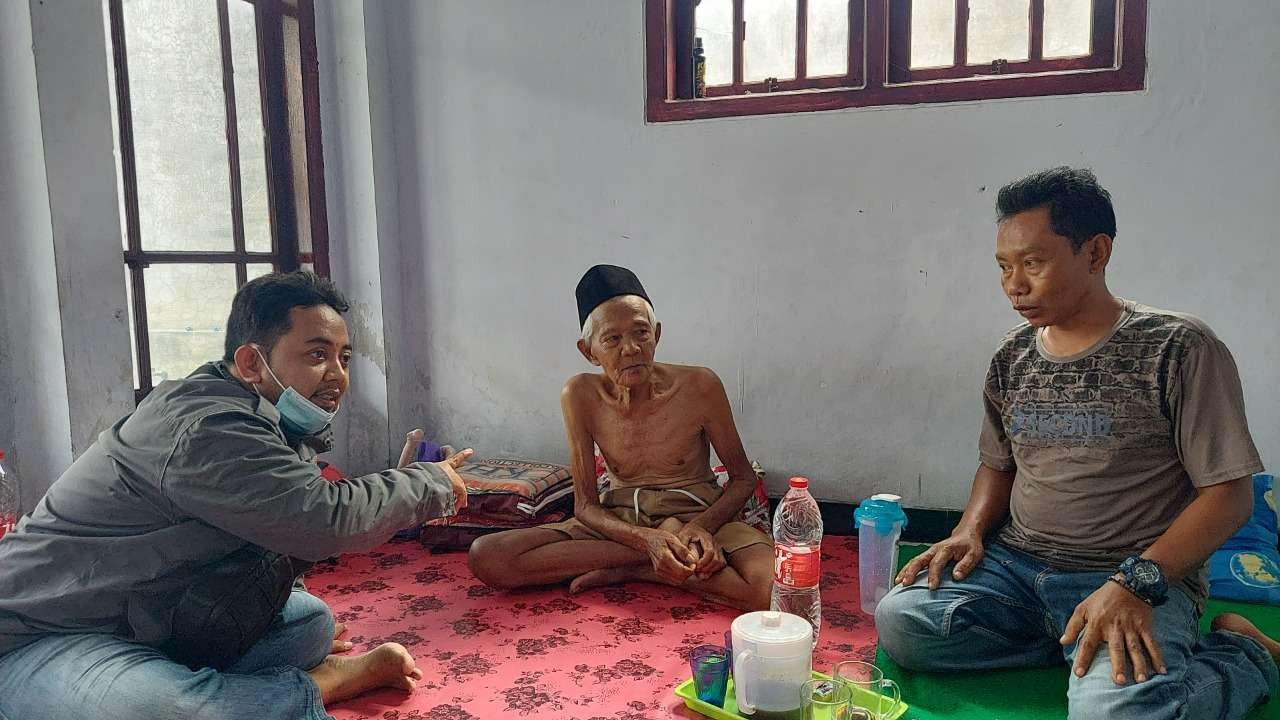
1147, 573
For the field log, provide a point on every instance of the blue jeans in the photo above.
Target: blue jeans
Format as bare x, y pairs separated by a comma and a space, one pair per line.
1012, 609
109, 678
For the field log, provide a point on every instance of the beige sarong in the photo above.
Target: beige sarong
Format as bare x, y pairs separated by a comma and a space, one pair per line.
648, 507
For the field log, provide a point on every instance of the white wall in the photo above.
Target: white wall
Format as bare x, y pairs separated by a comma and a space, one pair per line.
34, 417
64, 333
70, 46
355, 246
835, 269
358, 113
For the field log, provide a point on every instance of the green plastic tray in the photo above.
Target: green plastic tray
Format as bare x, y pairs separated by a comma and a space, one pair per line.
730, 710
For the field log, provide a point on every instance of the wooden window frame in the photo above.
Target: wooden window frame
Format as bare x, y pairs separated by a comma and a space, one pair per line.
1102, 46
285, 254
878, 71
851, 78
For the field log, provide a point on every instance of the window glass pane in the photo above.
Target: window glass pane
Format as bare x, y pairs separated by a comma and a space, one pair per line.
179, 124
999, 29
770, 47
115, 140
297, 132
1067, 26
827, 42
256, 270
187, 307
713, 22
249, 128
133, 330
933, 33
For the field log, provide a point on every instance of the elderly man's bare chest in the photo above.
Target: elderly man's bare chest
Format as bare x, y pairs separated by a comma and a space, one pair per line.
670, 428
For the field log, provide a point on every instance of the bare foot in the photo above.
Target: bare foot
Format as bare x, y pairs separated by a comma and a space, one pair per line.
1239, 624
339, 645
600, 578
388, 665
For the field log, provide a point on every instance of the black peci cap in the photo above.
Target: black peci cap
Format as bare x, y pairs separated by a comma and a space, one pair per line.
603, 282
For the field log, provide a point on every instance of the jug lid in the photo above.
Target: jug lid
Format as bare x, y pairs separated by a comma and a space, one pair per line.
768, 626
883, 510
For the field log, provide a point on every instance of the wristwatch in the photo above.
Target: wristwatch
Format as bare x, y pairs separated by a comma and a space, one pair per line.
1143, 578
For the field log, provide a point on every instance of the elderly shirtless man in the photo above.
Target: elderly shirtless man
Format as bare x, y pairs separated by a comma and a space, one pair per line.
663, 519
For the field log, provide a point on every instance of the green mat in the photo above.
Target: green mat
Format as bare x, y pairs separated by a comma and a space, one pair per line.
1032, 694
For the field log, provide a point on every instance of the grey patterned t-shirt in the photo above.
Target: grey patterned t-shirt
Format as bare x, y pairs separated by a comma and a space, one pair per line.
1110, 444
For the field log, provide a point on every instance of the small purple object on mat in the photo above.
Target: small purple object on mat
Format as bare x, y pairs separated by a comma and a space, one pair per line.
429, 452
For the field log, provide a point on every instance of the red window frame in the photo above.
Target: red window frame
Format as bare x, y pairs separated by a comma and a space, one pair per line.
1102, 54
879, 72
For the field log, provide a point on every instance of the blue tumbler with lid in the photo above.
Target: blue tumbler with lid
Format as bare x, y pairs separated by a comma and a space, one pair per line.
880, 521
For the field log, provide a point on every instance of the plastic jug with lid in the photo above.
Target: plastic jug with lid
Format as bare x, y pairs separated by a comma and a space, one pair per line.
880, 521
771, 660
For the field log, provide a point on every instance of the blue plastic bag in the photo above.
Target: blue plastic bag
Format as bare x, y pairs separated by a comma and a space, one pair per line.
1247, 567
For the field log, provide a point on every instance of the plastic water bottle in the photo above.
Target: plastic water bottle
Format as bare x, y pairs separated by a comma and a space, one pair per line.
10, 502
797, 543
880, 521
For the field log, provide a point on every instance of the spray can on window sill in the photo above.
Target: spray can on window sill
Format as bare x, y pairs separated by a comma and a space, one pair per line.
10, 499
699, 69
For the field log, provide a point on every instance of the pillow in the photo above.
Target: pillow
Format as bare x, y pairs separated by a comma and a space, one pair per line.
754, 513
503, 494
1247, 567
520, 489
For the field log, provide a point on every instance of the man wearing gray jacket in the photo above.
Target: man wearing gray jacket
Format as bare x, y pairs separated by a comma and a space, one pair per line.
132, 590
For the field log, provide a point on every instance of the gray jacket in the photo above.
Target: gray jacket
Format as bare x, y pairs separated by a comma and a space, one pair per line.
200, 469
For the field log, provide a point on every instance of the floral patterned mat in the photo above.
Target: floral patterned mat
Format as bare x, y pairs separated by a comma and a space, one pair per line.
608, 654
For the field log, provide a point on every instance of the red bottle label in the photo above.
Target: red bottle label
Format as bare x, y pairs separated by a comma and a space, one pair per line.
796, 567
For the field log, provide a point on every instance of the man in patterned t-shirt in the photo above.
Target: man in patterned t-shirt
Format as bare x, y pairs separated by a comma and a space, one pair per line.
1114, 459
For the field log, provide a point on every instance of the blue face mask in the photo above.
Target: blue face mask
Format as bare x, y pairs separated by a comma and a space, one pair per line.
298, 415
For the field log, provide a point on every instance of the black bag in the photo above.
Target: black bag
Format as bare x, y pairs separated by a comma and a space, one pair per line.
222, 614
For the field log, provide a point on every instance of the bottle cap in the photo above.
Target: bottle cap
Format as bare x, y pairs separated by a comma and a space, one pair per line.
800, 483
887, 497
